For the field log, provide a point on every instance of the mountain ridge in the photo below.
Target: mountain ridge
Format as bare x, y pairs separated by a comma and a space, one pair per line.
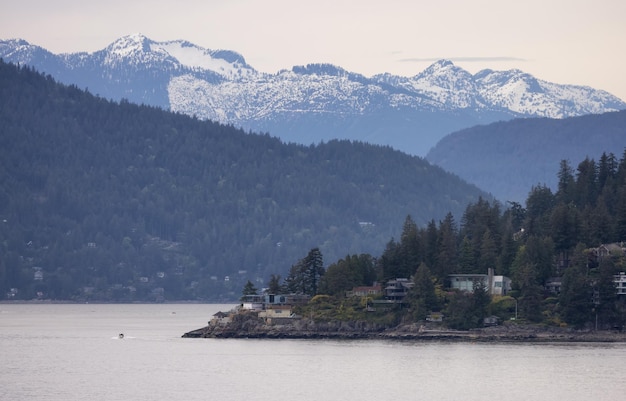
312, 103
507, 158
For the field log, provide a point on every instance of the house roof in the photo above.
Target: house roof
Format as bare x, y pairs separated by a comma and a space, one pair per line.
220, 314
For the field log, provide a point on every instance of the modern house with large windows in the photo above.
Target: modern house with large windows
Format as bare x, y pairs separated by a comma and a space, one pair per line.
495, 285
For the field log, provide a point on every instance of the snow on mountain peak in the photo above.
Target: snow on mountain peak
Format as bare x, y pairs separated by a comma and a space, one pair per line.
16, 48
20, 51
14, 43
137, 49
446, 83
129, 45
221, 85
228, 64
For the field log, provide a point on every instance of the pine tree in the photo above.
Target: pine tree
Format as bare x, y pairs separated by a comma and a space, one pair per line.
249, 289
340, 277
431, 247
312, 269
488, 252
274, 286
507, 254
620, 214
467, 261
586, 188
575, 299
565, 222
566, 186
422, 296
606, 296
526, 283
538, 208
410, 252
447, 258
607, 170
389, 262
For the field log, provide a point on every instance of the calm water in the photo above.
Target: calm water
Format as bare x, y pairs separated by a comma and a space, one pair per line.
72, 352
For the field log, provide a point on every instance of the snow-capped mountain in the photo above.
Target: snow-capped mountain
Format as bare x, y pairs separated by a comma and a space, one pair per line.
309, 104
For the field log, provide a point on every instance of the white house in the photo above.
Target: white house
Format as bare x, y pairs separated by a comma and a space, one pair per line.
620, 283
495, 285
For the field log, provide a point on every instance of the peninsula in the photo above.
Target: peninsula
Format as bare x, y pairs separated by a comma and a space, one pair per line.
245, 325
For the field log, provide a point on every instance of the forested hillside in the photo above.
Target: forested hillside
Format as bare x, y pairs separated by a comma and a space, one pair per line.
508, 158
563, 251
116, 201
555, 238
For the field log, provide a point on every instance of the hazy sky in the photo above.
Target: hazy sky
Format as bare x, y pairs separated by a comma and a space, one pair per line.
580, 42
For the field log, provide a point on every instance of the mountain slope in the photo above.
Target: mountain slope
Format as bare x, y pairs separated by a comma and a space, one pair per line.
312, 103
508, 158
115, 201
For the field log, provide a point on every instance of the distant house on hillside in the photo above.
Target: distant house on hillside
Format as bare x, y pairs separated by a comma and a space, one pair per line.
365, 291
606, 250
553, 285
397, 289
620, 283
495, 285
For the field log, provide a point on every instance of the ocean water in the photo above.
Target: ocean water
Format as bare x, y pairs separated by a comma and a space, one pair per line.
73, 352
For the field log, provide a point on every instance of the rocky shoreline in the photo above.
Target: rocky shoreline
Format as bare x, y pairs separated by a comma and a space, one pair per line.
251, 327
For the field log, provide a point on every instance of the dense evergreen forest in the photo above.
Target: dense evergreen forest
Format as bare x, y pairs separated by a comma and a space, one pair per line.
107, 201
556, 237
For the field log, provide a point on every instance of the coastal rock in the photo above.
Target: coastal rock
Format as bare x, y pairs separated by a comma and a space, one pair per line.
251, 326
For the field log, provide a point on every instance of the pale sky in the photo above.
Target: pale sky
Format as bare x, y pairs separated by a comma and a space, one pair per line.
581, 42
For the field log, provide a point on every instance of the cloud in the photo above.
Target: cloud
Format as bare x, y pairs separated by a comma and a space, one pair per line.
462, 59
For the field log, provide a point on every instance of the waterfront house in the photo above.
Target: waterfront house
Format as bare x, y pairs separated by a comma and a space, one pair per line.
253, 302
397, 289
220, 318
495, 285
365, 291
274, 314
264, 302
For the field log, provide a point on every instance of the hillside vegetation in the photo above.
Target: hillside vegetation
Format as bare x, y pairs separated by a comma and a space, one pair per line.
115, 201
564, 251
